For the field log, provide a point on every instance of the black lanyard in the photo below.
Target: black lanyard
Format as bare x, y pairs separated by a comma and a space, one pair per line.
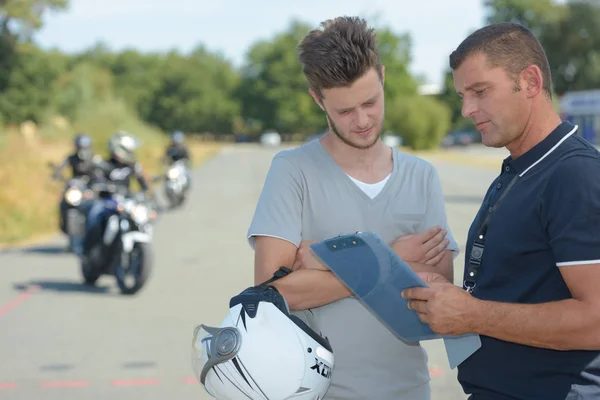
477, 249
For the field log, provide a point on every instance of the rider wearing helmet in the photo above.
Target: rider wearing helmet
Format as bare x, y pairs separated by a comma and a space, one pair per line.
177, 149
119, 169
122, 165
82, 161
261, 351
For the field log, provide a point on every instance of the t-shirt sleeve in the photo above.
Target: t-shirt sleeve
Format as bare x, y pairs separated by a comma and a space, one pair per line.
435, 213
279, 209
571, 211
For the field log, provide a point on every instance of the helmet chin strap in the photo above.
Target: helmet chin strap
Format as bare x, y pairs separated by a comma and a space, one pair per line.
280, 273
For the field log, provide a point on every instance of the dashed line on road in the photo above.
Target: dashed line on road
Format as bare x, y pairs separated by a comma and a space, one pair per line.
8, 386
5, 309
435, 371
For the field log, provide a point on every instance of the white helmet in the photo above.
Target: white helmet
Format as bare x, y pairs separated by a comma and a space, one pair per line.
123, 145
262, 352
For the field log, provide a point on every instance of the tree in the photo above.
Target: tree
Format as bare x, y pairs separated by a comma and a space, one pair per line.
570, 34
195, 94
18, 20
394, 53
138, 77
81, 88
21, 18
453, 101
30, 92
274, 89
573, 47
536, 15
422, 121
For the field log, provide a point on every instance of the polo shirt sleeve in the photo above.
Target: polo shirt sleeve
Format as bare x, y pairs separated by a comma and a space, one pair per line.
571, 211
279, 209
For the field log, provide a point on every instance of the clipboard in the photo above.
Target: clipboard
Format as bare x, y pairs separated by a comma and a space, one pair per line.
377, 276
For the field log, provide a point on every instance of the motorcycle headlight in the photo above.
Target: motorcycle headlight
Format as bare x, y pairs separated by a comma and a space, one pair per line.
73, 196
140, 214
173, 173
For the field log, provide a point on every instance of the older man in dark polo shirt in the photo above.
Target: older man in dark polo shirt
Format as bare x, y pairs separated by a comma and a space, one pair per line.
532, 280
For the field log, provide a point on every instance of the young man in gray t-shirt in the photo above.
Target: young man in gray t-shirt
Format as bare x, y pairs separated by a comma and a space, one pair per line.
349, 181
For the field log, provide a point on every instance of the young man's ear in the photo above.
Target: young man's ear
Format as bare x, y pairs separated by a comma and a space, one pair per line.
382, 74
316, 98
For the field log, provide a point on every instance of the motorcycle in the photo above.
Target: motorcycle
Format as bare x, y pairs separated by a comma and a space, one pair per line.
177, 183
118, 241
73, 208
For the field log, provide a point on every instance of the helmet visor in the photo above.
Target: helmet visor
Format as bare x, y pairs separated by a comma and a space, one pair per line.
212, 346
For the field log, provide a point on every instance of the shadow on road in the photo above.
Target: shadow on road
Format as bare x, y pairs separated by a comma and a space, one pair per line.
64, 287
56, 367
51, 249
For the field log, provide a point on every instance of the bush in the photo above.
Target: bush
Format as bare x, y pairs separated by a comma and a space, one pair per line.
421, 121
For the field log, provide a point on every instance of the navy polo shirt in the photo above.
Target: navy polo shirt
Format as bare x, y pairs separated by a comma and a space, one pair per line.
550, 218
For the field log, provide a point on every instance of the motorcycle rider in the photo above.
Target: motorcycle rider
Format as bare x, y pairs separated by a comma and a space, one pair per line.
120, 169
122, 165
177, 149
82, 163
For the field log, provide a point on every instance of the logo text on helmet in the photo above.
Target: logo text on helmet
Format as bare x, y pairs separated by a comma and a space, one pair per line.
322, 368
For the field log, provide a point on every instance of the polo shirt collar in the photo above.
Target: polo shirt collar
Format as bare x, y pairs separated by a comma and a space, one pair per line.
540, 150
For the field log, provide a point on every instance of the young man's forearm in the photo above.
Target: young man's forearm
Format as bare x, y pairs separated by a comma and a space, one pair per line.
444, 267
309, 288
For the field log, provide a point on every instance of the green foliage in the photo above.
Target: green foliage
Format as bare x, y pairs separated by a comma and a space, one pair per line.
27, 14
195, 94
80, 88
203, 92
273, 89
453, 101
100, 91
569, 32
421, 121
30, 90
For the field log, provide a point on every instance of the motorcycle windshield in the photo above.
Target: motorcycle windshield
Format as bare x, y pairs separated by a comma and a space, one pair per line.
377, 276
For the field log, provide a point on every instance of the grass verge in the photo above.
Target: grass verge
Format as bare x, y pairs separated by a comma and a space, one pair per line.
29, 198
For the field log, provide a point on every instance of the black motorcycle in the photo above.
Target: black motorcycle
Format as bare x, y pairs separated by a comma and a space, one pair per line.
118, 240
75, 202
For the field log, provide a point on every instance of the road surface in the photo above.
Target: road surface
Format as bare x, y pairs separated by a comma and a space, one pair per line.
62, 340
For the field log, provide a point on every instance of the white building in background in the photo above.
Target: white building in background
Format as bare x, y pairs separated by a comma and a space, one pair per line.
582, 108
429, 89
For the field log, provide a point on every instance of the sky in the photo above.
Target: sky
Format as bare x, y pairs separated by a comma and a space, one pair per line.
232, 26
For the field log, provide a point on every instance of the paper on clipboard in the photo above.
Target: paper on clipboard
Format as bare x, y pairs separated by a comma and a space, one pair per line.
377, 276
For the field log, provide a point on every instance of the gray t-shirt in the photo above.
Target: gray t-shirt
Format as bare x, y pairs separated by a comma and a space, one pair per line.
307, 196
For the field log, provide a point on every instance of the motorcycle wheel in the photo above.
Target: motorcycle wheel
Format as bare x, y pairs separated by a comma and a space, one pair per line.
90, 274
132, 279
